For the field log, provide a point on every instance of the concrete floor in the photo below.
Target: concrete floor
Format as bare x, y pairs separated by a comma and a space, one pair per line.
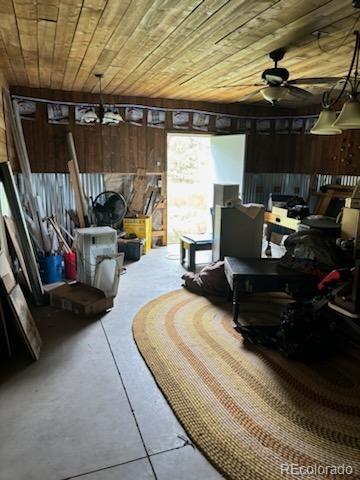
89, 408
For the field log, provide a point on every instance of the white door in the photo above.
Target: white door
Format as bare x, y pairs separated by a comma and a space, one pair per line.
228, 153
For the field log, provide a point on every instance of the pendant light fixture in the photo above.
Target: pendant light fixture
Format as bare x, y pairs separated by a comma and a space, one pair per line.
324, 125
100, 76
349, 117
90, 115
107, 115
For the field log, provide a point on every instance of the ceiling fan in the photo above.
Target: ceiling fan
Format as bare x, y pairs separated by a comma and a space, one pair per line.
278, 86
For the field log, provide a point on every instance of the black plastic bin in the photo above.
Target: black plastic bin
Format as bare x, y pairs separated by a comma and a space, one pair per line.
133, 248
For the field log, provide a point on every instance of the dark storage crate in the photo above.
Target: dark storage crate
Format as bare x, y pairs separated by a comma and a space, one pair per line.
133, 249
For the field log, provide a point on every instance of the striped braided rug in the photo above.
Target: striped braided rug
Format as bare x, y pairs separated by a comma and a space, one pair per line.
248, 409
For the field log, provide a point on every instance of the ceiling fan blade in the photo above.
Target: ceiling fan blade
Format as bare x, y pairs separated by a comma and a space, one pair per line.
298, 92
251, 95
314, 80
240, 85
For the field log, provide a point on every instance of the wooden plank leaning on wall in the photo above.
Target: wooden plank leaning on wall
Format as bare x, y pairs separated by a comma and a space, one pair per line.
4, 140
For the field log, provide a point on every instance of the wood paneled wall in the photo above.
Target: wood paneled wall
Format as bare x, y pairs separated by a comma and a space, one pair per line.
125, 147
304, 153
120, 148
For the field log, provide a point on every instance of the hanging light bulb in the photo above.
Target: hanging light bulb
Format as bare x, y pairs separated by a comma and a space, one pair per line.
349, 117
112, 116
324, 124
274, 94
90, 115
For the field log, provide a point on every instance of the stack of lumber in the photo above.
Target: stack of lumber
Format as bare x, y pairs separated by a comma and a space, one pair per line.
329, 193
144, 197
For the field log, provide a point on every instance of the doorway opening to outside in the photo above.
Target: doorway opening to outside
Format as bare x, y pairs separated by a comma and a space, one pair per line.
190, 185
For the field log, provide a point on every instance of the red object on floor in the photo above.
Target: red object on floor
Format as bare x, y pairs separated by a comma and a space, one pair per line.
70, 265
332, 277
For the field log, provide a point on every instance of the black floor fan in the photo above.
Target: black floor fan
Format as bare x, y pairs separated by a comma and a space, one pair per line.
109, 209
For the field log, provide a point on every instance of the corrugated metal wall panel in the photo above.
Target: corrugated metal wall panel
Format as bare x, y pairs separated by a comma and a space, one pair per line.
57, 195
259, 186
347, 180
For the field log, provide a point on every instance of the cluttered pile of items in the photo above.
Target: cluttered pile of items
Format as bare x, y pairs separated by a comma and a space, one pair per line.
76, 269
320, 271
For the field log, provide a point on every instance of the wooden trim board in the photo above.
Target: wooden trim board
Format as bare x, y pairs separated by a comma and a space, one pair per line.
75, 184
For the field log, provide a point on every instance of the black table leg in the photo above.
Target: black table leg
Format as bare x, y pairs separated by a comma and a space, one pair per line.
236, 304
182, 252
268, 252
192, 257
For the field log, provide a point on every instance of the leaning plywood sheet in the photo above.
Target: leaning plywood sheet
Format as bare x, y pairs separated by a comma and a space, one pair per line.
6, 274
22, 231
4, 336
139, 189
25, 322
8, 284
11, 228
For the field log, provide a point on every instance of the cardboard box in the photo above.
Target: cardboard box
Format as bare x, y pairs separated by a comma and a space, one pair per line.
80, 299
350, 224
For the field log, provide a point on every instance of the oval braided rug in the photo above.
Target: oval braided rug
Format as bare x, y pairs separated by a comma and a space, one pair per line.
248, 409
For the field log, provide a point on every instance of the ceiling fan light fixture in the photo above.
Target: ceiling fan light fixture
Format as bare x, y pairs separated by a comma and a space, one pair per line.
349, 117
325, 124
111, 117
274, 94
90, 116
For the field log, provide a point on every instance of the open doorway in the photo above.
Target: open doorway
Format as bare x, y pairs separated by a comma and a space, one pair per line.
195, 162
190, 184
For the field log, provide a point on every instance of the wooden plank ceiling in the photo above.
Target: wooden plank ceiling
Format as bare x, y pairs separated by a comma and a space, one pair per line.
170, 48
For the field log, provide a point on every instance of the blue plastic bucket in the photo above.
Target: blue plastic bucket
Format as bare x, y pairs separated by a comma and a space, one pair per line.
50, 268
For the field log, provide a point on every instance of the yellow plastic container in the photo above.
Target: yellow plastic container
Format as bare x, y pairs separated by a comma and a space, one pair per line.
142, 227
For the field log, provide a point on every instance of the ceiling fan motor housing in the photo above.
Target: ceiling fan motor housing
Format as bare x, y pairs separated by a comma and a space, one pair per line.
275, 75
